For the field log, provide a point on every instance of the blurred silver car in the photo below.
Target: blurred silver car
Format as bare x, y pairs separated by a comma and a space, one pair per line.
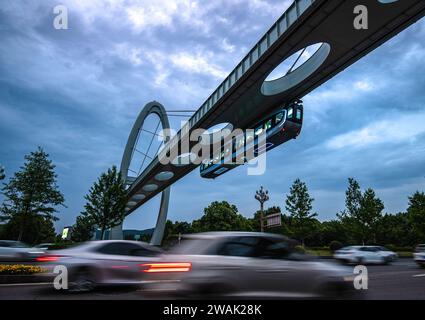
16, 251
419, 255
243, 264
101, 263
365, 255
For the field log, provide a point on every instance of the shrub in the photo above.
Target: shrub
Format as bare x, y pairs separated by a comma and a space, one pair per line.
398, 249
391, 247
335, 245
20, 269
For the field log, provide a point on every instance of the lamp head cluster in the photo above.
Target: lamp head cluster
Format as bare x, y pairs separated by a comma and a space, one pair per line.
262, 195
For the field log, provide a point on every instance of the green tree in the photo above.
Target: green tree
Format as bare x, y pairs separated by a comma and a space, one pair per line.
2, 174
353, 197
174, 229
106, 201
395, 229
32, 192
2, 231
349, 216
82, 230
369, 215
332, 230
416, 216
37, 230
299, 205
221, 216
362, 213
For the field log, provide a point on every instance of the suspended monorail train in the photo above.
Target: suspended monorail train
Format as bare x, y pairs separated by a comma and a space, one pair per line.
267, 134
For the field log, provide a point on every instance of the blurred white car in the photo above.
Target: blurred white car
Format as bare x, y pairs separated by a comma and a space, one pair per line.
16, 251
97, 263
365, 255
245, 265
419, 255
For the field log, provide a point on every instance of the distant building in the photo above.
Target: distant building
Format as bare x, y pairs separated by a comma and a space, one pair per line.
97, 234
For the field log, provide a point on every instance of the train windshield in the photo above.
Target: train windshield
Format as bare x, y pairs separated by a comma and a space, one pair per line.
279, 117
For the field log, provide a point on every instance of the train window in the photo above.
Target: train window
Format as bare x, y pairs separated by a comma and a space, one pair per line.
279, 117
258, 131
240, 142
290, 112
299, 114
268, 125
249, 136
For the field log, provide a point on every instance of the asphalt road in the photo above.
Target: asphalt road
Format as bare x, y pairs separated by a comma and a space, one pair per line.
402, 280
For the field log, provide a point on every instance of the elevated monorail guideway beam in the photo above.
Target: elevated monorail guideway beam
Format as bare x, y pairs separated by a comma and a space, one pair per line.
245, 96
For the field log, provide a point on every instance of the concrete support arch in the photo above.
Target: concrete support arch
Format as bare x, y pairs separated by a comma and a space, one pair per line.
153, 107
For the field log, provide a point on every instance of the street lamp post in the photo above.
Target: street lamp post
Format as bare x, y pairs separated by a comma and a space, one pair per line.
262, 196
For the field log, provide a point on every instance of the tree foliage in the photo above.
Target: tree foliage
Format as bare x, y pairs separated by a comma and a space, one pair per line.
173, 230
361, 221
2, 173
106, 201
299, 204
353, 198
177, 228
369, 215
221, 216
362, 214
31, 193
83, 229
37, 230
395, 229
416, 216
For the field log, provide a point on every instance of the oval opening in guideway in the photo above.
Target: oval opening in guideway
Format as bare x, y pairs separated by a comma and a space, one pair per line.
295, 69
216, 131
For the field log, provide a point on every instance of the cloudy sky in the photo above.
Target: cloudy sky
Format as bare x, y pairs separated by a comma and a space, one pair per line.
77, 92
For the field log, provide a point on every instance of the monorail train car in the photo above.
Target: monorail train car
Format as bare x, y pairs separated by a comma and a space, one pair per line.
278, 128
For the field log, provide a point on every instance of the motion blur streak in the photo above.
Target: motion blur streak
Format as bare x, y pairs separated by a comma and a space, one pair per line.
47, 259
166, 267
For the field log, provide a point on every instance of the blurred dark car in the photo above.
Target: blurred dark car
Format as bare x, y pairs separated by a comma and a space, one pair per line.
98, 263
244, 265
16, 251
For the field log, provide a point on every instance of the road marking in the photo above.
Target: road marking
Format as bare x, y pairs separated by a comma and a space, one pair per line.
24, 284
419, 275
